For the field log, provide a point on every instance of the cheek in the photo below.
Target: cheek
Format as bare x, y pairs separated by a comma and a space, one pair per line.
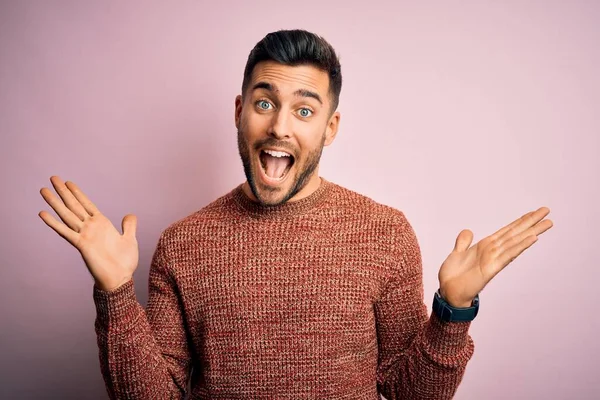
309, 136
256, 123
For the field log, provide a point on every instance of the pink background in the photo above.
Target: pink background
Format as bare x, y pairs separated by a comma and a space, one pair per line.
462, 116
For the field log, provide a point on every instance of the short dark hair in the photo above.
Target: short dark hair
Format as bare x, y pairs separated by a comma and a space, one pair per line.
297, 47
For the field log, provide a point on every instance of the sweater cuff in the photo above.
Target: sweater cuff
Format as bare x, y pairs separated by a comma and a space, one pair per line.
116, 307
449, 339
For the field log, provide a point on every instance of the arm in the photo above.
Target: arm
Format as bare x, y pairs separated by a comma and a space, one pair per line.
420, 357
143, 354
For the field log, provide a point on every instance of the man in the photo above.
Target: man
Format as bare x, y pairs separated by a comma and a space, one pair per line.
289, 286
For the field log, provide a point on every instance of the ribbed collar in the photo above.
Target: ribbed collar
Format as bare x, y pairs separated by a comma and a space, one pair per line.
289, 208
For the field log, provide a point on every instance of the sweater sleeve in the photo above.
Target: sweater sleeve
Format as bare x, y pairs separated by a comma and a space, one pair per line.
144, 354
420, 356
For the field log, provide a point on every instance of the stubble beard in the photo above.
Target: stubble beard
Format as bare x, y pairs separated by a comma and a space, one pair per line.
301, 177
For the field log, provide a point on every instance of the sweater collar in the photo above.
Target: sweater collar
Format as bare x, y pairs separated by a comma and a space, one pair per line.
287, 209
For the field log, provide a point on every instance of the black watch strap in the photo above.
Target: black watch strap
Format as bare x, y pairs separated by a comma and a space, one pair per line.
453, 314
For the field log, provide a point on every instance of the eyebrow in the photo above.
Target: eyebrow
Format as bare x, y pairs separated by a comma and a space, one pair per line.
300, 92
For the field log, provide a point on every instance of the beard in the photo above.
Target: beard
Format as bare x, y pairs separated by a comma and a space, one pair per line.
304, 170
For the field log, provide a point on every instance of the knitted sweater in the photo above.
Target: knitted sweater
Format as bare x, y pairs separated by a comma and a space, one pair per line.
321, 298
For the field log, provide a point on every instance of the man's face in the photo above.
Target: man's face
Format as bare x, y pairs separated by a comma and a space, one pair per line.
284, 120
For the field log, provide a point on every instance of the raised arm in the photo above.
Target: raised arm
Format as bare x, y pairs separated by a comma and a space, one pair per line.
143, 354
425, 358
420, 357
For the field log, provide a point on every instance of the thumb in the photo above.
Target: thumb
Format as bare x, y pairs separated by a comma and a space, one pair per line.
129, 225
464, 240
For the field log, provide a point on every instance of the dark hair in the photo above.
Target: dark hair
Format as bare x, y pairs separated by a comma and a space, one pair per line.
297, 47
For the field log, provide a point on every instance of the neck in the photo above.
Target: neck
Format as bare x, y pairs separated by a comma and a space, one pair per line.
289, 209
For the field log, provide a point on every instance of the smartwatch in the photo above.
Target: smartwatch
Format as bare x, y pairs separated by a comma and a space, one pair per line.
454, 314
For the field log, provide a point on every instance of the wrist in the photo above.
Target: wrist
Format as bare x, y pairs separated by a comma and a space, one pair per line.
457, 303
112, 286
449, 313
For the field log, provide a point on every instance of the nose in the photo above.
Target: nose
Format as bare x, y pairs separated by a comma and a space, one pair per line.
280, 127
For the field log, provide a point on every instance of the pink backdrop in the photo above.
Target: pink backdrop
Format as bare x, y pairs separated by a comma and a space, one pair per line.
461, 116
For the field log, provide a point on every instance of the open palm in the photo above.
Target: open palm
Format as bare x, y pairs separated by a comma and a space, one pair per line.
111, 257
467, 270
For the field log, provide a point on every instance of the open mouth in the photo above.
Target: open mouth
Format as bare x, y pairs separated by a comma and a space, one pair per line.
275, 164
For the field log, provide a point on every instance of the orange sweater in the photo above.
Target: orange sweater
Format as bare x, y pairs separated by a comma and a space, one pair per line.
321, 298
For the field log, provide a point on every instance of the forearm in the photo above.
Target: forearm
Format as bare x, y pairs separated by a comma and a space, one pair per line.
132, 363
434, 364
420, 356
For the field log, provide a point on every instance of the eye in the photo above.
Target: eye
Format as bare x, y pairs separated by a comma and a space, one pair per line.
263, 104
305, 112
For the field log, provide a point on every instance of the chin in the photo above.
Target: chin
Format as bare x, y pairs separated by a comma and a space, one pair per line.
271, 190
270, 194
287, 173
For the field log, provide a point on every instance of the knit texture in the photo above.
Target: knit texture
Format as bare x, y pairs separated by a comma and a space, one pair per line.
320, 298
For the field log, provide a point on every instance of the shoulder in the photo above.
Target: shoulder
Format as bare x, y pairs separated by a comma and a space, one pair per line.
359, 204
385, 225
198, 223
382, 223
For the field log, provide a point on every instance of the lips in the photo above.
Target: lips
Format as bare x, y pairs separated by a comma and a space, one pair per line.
275, 164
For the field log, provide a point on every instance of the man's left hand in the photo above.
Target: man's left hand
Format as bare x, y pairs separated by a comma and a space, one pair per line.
467, 270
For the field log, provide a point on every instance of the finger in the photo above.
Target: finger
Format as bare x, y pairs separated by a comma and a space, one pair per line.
507, 256
498, 234
535, 230
89, 207
67, 197
463, 240
532, 219
540, 228
129, 225
63, 230
528, 222
67, 216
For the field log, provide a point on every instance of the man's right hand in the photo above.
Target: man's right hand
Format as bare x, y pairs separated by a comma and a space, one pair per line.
111, 257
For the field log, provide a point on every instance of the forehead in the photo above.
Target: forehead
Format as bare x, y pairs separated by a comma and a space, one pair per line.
288, 78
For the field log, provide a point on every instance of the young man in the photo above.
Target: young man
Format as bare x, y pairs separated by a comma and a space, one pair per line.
289, 286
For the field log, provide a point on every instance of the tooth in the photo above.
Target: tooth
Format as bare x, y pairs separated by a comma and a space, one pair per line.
275, 153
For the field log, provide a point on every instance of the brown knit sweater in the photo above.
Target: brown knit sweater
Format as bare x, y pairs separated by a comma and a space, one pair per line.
321, 298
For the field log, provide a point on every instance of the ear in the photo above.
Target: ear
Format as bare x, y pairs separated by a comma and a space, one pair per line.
238, 110
332, 128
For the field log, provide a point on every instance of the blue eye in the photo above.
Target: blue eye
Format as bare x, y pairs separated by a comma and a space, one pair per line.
263, 104
305, 112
